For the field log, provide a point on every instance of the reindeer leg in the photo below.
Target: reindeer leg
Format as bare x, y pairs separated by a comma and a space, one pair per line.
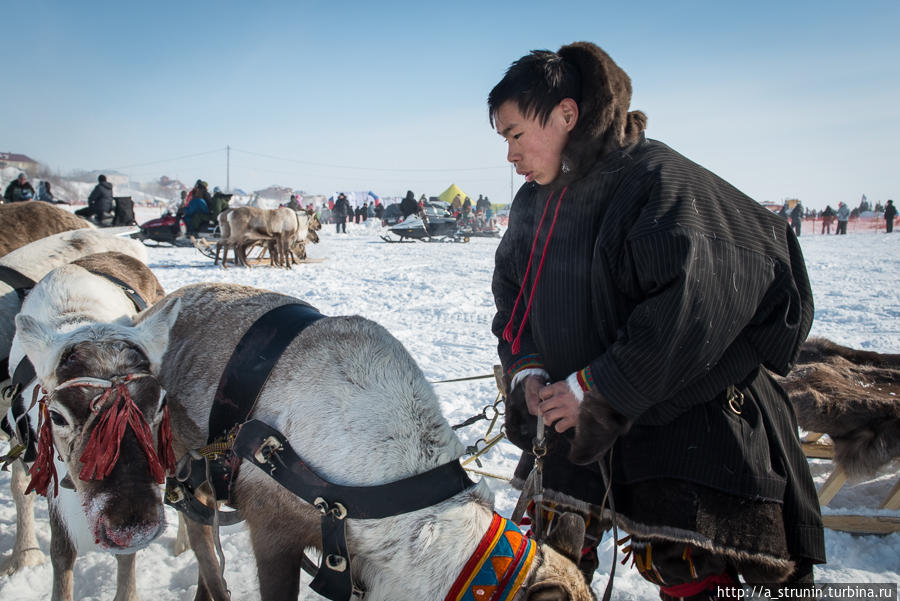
62, 557
26, 551
126, 579
182, 543
210, 587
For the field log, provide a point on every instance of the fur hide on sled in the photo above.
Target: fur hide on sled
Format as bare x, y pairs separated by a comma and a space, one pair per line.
852, 396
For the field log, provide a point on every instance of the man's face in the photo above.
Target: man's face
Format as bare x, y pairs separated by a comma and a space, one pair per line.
535, 150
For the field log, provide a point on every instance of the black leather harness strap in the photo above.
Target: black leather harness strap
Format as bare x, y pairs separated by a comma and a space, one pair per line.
139, 303
17, 281
21, 426
240, 385
270, 451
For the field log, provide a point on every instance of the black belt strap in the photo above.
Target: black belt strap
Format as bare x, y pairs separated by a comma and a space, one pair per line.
139, 303
17, 281
21, 426
270, 451
240, 385
252, 361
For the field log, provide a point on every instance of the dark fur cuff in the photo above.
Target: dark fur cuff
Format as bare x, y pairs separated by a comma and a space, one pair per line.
599, 425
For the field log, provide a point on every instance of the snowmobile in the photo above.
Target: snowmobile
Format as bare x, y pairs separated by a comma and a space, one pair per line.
434, 224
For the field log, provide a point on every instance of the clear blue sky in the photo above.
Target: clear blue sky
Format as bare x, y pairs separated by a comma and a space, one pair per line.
783, 99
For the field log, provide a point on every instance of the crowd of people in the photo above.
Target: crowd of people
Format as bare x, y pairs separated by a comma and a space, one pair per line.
830, 217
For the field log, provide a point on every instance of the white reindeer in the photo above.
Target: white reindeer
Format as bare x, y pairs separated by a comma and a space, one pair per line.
355, 406
110, 503
36, 259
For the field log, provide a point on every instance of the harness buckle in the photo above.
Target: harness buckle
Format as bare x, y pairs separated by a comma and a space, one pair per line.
735, 400
269, 447
336, 563
337, 511
174, 494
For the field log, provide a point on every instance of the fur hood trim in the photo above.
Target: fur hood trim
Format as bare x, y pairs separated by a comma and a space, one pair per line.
604, 121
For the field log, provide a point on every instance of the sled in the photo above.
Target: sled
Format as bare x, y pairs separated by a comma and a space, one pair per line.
817, 447
257, 254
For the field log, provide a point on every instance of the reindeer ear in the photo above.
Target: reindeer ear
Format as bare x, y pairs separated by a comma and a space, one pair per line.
153, 332
567, 536
37, 341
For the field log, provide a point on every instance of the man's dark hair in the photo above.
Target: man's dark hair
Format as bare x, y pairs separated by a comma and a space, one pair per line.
101, 178
537, 82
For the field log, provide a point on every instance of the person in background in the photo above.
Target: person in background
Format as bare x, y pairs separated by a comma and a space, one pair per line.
827, 219
379, 211
890, 211
100, 201
843, 216
408, 205
340, 212
19, 190
797, 218
197, 213
44, 192
293, 203
456, 206
641, 302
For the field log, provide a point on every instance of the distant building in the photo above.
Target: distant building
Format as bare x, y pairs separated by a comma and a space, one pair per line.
19, 161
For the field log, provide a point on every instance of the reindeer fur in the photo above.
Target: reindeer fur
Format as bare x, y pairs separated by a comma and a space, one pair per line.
354, 404
24, 222
852, 396
36, 259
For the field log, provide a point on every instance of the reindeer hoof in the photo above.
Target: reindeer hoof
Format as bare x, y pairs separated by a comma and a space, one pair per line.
22, 559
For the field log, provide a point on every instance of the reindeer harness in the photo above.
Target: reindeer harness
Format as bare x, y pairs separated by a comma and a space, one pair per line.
234, 438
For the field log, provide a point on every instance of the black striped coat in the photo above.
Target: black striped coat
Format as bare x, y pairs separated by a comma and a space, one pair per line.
669, 285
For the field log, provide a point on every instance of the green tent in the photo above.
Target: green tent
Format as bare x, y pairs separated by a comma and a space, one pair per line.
448, 194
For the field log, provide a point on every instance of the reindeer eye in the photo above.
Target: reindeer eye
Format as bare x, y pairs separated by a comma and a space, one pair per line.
58, 419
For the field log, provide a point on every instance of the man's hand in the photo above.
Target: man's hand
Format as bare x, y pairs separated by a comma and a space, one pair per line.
554, 401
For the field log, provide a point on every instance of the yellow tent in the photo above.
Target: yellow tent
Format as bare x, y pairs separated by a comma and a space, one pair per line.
448, 194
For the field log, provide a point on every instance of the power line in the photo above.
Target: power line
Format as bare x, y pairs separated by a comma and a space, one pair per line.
269, 156
187, 156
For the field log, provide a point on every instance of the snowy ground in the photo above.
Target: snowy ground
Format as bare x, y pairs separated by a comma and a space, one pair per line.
436, 299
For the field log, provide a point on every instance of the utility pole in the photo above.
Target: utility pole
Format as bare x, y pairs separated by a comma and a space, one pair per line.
228, 168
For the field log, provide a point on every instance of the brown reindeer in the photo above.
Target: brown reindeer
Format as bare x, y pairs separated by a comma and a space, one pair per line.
280, 229
103, 441
24, 222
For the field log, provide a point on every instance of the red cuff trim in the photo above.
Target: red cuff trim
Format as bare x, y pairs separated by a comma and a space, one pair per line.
524, 362
585, 380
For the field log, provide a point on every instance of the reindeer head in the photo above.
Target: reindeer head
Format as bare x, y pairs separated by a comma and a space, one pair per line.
104, 416
557, 577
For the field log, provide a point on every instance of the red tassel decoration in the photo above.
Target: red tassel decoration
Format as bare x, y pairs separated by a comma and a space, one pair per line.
165, 451
43, 470
102, 451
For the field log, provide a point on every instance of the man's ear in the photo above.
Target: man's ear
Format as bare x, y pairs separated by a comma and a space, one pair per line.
569, 110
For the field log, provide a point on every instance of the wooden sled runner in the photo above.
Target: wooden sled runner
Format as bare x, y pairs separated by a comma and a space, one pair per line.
258, 254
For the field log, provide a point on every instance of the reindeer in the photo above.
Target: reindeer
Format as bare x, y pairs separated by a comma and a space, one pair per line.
34, 260
30, 221
102, 438
280, 229
355, 406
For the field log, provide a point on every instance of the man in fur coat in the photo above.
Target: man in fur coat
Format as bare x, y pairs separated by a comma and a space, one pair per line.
641, 301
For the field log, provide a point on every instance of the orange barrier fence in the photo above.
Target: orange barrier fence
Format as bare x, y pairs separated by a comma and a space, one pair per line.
813, 226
